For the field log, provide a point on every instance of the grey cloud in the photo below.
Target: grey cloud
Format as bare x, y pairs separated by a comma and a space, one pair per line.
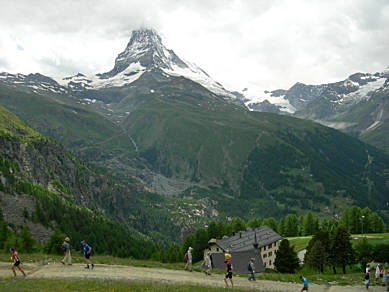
342, 36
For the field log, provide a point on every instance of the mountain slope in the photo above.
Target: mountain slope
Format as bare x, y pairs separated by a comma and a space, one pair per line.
252, 158
41, 167
183, 140
356, 105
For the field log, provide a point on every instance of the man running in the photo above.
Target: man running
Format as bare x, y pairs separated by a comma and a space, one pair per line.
228, 275
305, 282
17, 262
87, 251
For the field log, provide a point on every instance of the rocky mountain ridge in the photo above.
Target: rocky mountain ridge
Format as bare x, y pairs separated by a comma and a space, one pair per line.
145, 53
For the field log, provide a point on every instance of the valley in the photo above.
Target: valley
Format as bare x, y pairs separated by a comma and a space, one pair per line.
158, 140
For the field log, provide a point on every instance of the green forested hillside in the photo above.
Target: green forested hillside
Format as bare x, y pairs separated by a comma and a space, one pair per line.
183, 141
255, 163
32, 164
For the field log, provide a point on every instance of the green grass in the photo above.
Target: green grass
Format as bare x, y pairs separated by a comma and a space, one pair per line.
96, 285
97, 259
301, 242
353, 276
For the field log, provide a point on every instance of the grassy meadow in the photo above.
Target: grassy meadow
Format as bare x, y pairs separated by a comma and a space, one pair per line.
35, 285
301, 243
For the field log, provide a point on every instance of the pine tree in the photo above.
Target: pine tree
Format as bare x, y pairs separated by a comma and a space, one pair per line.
254, 222
323, 238
341, 251
212, 230
200, 242
376, 223
281, 227
27, 241
291, 225
317, 256
308, 224
271, 223
286, 259
220, 229
238, 224
5, 233
363, 252
53, 246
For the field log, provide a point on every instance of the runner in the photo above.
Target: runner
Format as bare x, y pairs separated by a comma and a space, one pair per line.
367, 280
377, 274
66, 249
228, 275
305, 282
17, 262
87, 251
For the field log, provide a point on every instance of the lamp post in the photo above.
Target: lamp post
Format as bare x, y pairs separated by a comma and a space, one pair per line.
363, 217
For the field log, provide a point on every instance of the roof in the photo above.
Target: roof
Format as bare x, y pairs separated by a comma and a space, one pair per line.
239, 261
245, 240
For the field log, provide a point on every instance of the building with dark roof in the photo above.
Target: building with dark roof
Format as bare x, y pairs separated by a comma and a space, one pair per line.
259, 243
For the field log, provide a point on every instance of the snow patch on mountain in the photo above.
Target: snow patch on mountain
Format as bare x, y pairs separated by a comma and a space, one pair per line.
36, 83
257, 96
363, 91
145, 52
127, 76
196, 74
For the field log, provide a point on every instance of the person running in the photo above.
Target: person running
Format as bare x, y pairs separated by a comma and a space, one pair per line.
67, 260
367, 268
251, 268
377, 274
367, 280
305, 282
208, 263
387, 281
17, 262
87, 251
228, 275
188, 258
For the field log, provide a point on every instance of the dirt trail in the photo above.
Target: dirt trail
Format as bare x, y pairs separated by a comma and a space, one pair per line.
115, 272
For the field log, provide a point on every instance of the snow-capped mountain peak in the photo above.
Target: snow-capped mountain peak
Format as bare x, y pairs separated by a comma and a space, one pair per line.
145, 52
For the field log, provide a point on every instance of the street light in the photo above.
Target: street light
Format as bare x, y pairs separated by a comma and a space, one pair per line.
363, 217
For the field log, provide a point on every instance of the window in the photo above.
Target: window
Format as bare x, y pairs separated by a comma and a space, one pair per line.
270, 246
270, 253
264, 248
264, 264
217, 249
275, 244
265, 255
269, 263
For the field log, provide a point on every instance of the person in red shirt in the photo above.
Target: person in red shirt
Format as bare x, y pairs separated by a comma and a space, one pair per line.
17, 262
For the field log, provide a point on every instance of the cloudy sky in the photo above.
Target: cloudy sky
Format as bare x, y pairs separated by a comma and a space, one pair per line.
266, 44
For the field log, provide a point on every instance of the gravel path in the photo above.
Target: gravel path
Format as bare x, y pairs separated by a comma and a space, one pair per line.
116, 272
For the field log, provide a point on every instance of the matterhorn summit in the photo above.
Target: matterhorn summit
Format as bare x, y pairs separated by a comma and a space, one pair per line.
144, 54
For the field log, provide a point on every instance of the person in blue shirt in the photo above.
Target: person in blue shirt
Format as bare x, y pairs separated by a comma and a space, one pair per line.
87, 251
387, 281
305, 282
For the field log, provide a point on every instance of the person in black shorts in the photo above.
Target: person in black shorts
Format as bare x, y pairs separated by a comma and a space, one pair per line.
228, 275
17, 262
87, 251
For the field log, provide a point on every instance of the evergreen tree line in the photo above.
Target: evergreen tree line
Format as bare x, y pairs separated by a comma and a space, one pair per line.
354, 220
331, 249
